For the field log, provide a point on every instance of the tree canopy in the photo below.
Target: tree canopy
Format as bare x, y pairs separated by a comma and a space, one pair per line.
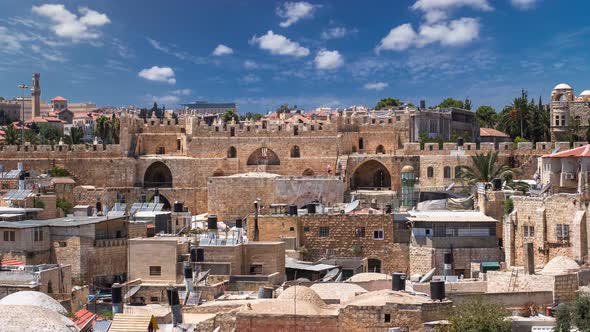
485, 169
486, 116
526, 119
11, 135
230, 114
479, 316
576, 314
388, 102
450, 102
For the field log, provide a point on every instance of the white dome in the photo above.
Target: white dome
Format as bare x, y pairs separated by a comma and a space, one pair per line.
32, 318
585, 93
562, 86
34, 298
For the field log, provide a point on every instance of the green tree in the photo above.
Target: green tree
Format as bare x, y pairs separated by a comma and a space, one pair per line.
479, 315
11, 136
572, 131
486, 116
485, 168
284, 108
388, 102
102, 128
64, 205
75, 137
115, 129
32, 137
49, 134
575, 314
467, 104
230, 114
250, 115
508, 206
57, 171
450, 102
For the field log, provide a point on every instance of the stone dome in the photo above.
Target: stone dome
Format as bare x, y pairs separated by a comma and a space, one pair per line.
32, 298
33, 318
585, 93
303, 294
562, 86
560, 265
368, 276
408, 169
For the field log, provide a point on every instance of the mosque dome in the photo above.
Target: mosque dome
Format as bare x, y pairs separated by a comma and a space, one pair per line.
562, 86
585, 93
32, 298
408, 169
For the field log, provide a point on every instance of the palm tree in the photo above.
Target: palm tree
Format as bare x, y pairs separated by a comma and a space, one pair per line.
486, 116
32, 137
485, 169
75, 137
11, 136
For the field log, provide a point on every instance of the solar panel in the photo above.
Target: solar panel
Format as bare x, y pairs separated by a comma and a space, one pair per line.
158, 207
11, 174
135, 207
16, 195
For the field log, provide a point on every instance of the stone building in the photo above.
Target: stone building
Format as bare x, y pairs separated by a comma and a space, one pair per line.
568, 111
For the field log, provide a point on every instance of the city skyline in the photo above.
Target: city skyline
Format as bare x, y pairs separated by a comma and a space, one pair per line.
308, 54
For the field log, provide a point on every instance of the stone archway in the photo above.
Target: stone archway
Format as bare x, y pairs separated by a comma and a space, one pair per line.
157, 175
263, 156
308, 172
371, 175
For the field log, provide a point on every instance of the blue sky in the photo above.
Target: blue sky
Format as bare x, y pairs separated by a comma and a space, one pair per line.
265, 53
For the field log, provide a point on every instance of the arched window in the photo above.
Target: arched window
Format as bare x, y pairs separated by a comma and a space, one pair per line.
295, 152
447, 172
457, 172
263, 156
157, 175
380, 150
430, 172
232, 152
308, 172
361, 143
218, 172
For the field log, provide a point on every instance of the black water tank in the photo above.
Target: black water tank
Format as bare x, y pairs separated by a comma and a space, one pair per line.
311, 208
188, 272
460, 141
265, 292
178, 206
117, 293
200, 255
98, 207
398, 281
292, 210
437, 290
448, 258
239, 223
497, 184
388, 208
212, 222
193, 254
172, 294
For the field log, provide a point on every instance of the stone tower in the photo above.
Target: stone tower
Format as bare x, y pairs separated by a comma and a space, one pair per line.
36, 95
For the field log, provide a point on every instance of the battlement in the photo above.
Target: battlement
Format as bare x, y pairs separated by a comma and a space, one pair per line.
61, 151
522, 148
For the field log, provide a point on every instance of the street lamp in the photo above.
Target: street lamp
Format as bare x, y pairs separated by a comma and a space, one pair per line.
23, 87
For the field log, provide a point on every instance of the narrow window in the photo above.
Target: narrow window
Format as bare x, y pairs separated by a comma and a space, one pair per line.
447, 172
155, 270
359, 232
430, 172
378, 234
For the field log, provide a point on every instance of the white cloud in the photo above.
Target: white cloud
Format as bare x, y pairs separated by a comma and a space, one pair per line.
455, 32
222, 50
428, 5
398, 39
159, 74
279, 45
9, 41
337, 32
292, 12
328, 60
250, 78
377, 86
181, 92
524, 4
249, 64
166, 99
66, 24
178, 54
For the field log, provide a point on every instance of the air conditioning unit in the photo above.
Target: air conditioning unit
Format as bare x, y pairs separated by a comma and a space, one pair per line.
569, 176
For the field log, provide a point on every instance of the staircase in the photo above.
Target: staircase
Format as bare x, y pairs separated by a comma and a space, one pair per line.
342, 161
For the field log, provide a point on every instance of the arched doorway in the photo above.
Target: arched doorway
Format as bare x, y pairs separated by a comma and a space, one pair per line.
308, 172
158, 175
374, 265
232, 152
263, 156
371, 175
380, 149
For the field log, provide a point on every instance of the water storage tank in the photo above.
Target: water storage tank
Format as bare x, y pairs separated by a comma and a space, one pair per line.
194, 254
172, 295
460, 141
398, 281
188, 272
437, 290
292, 210
117, 293
311, 208
239, 223
497, 183
212, 222
265, 292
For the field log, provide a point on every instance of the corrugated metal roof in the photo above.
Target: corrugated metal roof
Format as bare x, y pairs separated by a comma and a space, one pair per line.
132, 323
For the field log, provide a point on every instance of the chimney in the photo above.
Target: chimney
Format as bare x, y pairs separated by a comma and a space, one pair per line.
529, 258
174, 303
117, 299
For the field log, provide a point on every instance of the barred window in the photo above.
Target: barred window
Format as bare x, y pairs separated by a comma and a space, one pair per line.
324, 231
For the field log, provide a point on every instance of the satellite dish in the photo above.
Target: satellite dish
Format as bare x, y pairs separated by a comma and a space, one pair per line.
351, 206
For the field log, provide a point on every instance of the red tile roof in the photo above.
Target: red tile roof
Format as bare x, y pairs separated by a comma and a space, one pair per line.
83, 317
12, 262
491, 132
582, 151
43, 119
59, 98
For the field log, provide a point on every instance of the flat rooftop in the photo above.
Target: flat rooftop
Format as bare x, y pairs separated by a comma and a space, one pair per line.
57, 222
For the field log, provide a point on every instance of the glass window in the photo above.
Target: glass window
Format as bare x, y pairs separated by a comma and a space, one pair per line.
324, 231
378, 234
359, 232
430, 172
447, 172
155, 270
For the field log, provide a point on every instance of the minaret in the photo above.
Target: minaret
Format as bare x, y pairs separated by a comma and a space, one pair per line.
36, 95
